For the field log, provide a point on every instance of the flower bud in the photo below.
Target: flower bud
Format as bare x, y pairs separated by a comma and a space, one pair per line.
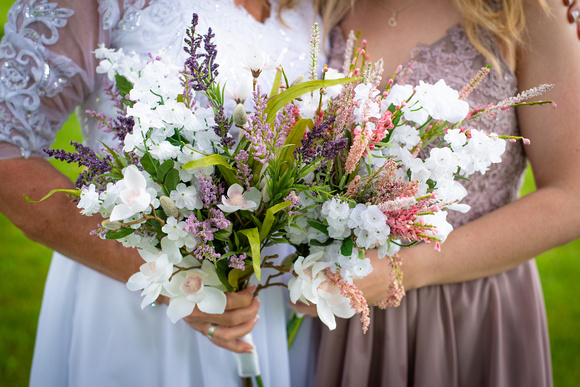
240, 116
298, 80
111, 225
168, 206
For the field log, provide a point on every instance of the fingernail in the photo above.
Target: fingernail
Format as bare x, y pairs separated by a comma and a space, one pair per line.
575, 14
256, 318
249, 349
252, 288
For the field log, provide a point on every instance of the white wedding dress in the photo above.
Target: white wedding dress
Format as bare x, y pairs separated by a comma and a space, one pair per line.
92, 331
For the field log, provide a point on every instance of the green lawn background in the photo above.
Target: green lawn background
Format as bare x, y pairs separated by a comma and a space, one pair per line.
24, 265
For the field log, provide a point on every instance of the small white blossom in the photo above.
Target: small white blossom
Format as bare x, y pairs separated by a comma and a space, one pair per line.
89, 201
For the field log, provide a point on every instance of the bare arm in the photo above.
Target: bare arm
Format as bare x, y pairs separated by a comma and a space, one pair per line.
547, 218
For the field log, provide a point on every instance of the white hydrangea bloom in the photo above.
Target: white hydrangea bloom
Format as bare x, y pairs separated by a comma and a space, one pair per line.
89, 202
441, 101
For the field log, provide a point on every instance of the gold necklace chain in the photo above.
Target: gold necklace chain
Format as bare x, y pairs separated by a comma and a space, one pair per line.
392, 22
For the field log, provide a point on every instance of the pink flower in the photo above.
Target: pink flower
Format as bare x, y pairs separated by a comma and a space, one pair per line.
237, 200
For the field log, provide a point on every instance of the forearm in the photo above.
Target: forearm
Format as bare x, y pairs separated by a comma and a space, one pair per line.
497, 241
57, 222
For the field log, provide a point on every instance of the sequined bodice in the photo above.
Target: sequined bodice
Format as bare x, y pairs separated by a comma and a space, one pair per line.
45, 54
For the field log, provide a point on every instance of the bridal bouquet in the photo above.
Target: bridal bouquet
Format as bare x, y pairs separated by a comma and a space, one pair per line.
330, 166
394, 158
197, 200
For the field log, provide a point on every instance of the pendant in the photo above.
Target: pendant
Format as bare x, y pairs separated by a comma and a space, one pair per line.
392, 22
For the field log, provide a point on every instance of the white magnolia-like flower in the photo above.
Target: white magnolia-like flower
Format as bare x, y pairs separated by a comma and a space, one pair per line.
156, 271
312, 285
133, 195
199, 287
89, 201
258, 61
237, 200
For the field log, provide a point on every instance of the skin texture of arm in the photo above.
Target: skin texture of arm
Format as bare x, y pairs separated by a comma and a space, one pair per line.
58, 224
547, 218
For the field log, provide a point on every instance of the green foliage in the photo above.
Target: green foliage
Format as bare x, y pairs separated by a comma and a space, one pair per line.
24, 265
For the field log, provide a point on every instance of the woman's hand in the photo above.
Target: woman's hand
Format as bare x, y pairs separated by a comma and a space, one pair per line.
238, 320
573, 13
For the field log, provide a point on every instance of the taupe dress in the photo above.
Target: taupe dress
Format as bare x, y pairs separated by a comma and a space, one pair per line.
487, 332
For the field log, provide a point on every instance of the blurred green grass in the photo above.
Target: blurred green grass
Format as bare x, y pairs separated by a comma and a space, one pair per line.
24, 265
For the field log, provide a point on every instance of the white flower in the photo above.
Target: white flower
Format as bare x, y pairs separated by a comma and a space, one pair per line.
164, 151
439, 220
407, 136
132, 193
186, 197
89, 201
312, 285
241, 89
151, 276
235, 200
441, 101
258, 61
174, 229
197, 287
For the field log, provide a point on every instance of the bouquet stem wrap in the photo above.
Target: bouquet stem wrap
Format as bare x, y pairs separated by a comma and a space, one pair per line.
248, 364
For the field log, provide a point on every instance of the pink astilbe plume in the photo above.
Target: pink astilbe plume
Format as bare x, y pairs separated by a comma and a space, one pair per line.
396, 290
474, 82
359, 146
356, 297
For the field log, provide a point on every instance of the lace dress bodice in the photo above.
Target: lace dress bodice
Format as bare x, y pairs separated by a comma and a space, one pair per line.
47, 67
455, 59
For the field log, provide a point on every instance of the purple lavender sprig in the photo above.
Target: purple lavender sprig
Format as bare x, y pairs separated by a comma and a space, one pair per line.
200, 66
84, 157
316, 147
262, 137
222, 127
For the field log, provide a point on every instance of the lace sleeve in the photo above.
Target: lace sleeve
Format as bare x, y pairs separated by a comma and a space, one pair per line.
46, 69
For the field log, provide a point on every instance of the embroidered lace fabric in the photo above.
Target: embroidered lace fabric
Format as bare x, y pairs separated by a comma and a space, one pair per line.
91, 330
40, 86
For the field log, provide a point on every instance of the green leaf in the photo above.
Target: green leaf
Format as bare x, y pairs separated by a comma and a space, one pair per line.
163, 169
276, 84
319, 226
254, 239
74, 192
214, 159
171, 180
285, 97
221, 269
121, 233
293, 327
269, 219
150, 165
123, 85
228, 175
346, 247
315, 242
293, 140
